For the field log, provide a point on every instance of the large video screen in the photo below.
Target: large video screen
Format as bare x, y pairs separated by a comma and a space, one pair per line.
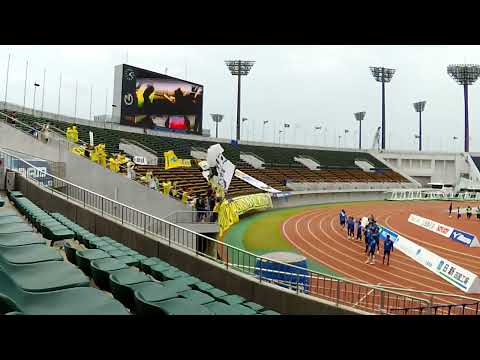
160, 102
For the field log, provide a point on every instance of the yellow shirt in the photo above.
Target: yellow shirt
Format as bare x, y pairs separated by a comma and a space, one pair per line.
184, 197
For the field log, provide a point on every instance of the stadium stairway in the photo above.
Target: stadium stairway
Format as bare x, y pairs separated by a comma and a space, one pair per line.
146, 286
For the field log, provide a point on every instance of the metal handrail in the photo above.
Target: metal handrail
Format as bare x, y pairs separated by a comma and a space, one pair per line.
173, 217
231, 251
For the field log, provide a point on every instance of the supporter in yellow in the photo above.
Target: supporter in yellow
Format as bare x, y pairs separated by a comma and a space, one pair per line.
102, 156
147, 177
174, 189
166, 187
74, 134
113, 164
69, 134
185, 197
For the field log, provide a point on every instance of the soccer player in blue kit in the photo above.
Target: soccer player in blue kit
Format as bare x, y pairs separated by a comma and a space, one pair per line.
343, 217
350, 227
368, 236
387, 247
371, 252
359, 229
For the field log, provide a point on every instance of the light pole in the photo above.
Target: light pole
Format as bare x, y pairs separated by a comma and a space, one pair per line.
464, 75
43, 89
382, 75
25, 87
359, 116
239, 68
419, 107
319, 128
279, 136
339, 140
243, 120
345, 138
263, 129
35, 85
216, 119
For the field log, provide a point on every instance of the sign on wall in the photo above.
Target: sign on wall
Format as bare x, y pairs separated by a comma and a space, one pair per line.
445, 230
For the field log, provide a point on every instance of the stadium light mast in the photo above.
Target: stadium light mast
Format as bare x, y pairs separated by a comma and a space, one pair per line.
239, 68
263, 129
216, 119
359, 116
465, 75
35, 85
382, 75
419, 107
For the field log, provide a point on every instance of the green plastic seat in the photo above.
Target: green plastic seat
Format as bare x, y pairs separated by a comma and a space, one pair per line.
158, 269
15, 228
70, 252
95, 244
146, 264
219, 308
232, 299
87, 239
196, 296
270, 312
85, 257
101, 270
254, 306
139, 258
44, 276
116, 253
177, 285
106, 248
173, 274
180, 306
243, 310
215, 293
122, 247
21, 239
119, 284
14, 219
147, 294
201, 286
74, 301
29, 254
108, 239
7, 212
129, 260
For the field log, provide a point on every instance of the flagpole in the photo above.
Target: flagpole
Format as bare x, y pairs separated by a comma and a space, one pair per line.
91, 98
6, 80
25, 87
43, 90
106, 100
76, 94
59, 92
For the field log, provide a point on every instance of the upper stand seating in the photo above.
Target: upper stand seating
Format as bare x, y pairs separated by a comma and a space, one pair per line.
280, 165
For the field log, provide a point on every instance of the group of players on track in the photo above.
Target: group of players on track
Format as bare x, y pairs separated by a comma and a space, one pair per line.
371, 233
468, 211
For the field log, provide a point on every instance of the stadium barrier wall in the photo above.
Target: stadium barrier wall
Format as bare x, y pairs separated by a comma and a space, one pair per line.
282, 300
303, 198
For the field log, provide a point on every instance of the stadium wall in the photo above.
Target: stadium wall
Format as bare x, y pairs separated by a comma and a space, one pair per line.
282, 300
303, 198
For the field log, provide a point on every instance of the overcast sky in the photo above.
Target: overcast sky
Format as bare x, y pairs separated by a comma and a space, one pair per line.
305, 86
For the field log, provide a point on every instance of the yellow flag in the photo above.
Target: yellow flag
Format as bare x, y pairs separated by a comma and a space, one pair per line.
172, 161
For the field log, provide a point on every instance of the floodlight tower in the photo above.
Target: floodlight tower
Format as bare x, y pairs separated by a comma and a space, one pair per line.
359, 117
419, 107
239, 68
464, 75
382, 75
216, 119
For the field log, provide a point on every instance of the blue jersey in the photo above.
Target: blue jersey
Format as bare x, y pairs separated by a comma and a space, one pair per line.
359, 228
387, 245
372, 244
350, 224
375, 236
368, 236
342, 217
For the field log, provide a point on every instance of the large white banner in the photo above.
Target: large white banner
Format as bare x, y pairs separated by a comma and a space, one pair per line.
254, 182
456, 275
445, 230
221, 168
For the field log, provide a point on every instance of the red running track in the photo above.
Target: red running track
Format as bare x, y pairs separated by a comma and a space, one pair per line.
318, 235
